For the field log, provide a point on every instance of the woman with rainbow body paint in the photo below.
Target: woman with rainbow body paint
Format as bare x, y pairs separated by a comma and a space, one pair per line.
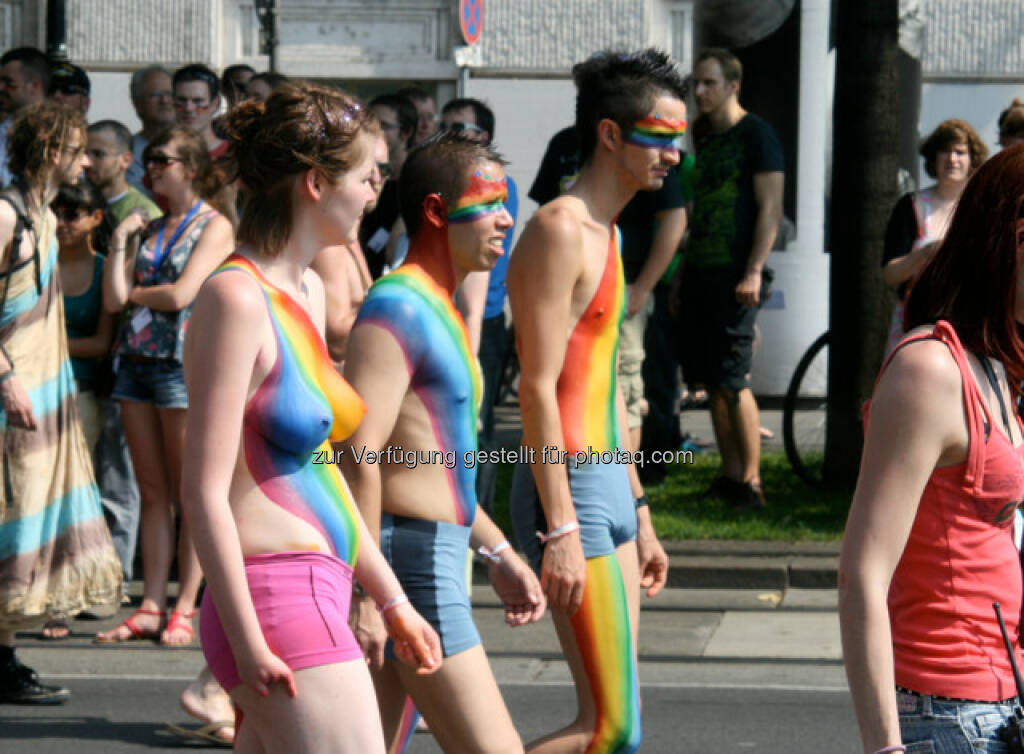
567, 293
278, 534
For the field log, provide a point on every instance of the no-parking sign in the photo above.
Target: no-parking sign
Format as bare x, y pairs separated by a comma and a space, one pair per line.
471, 20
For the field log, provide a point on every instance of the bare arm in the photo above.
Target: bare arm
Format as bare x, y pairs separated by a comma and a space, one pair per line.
542, 273
670, 225
471, 299
513, 580
901, 269
213, 247
118, 279
916, 424
331, 265
768, 195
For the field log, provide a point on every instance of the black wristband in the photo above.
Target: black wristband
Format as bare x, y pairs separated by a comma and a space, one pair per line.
640, 502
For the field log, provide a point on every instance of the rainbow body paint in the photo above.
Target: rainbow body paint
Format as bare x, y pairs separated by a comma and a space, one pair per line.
605, 640
587, 384
657, 133
485, 196
443, 370
301, 405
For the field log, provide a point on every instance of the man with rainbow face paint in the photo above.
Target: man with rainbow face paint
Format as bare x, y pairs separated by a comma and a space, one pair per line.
409, 357
579, 511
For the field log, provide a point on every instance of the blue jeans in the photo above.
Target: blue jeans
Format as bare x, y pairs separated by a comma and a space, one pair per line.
931, 725
119, 492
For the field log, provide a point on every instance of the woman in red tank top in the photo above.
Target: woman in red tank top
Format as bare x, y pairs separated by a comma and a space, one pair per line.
929, 544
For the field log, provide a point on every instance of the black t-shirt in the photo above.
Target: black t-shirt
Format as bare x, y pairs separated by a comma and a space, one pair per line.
559, 169
375, 229
724, 204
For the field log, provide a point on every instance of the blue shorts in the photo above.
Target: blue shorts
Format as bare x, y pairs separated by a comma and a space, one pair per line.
928, 724
429, 559
160, 382
604, 508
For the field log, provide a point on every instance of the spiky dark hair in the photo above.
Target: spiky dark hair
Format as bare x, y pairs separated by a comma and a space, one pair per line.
621, 86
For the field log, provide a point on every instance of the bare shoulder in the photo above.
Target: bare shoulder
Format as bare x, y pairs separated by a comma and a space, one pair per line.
314, 287
554, 232
230, 293
921, 371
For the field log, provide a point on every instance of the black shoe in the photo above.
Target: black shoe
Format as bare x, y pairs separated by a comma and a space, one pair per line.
724, 488
19, 684
750, 497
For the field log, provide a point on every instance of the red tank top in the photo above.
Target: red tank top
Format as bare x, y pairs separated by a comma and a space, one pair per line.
959, 559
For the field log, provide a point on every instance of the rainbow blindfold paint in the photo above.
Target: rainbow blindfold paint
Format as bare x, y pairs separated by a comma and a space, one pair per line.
657, 132
485, 196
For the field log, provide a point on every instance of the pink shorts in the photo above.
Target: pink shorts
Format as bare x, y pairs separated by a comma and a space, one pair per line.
302, 602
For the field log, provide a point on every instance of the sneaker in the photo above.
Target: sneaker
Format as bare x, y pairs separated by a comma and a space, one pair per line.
19, 684
750, 497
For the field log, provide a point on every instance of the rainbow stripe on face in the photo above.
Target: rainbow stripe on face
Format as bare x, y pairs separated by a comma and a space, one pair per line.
657, 133
443, 370
485, 196
587, 384
301, 405
605, 641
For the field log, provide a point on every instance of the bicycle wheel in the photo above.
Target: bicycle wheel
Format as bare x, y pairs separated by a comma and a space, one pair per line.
803, 413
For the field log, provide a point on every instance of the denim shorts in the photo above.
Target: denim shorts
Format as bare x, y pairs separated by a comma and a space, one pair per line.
931, 725
160, 382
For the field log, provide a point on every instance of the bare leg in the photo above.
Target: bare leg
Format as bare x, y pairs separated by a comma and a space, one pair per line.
172, 424
463, 705
205, 700
157, 523
746, 423
598, 642
335, 712
722, 404
392, 701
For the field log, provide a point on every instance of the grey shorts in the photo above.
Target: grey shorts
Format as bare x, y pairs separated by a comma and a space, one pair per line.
429, 559
604, 508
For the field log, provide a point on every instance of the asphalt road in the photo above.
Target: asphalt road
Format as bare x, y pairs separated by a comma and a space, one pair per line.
118, 716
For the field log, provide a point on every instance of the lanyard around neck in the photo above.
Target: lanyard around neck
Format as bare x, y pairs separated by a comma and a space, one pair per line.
160, 252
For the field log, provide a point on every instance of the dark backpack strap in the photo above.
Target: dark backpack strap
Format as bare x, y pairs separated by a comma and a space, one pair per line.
20, 223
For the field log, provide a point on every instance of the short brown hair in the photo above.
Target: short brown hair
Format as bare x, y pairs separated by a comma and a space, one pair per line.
947, 134
301, 126
37, 131
732, 68
439, 166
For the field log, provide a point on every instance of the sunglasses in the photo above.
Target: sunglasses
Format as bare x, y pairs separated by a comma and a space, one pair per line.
69, 90
161, 160
458, 127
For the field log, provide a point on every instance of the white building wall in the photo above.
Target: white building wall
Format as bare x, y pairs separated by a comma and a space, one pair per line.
978, 103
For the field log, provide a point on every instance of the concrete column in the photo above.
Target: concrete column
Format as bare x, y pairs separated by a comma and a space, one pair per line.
798, 310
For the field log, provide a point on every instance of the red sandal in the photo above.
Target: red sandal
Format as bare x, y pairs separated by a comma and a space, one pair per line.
137, 634
181, 621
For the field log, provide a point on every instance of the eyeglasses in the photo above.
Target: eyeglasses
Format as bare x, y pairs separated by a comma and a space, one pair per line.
67, 215
459, 127
161, 160
384, 168
99, 154
183, 102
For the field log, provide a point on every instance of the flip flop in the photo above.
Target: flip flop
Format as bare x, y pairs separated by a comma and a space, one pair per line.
205, 734
182, 621
137, 634
55, 625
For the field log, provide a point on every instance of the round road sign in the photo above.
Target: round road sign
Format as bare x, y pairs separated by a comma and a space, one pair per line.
471, 20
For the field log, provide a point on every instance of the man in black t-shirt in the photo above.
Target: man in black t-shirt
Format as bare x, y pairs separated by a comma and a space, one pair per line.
738, 181
652, 226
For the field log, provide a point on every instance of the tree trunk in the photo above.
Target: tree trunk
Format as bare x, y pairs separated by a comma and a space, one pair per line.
864, 184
